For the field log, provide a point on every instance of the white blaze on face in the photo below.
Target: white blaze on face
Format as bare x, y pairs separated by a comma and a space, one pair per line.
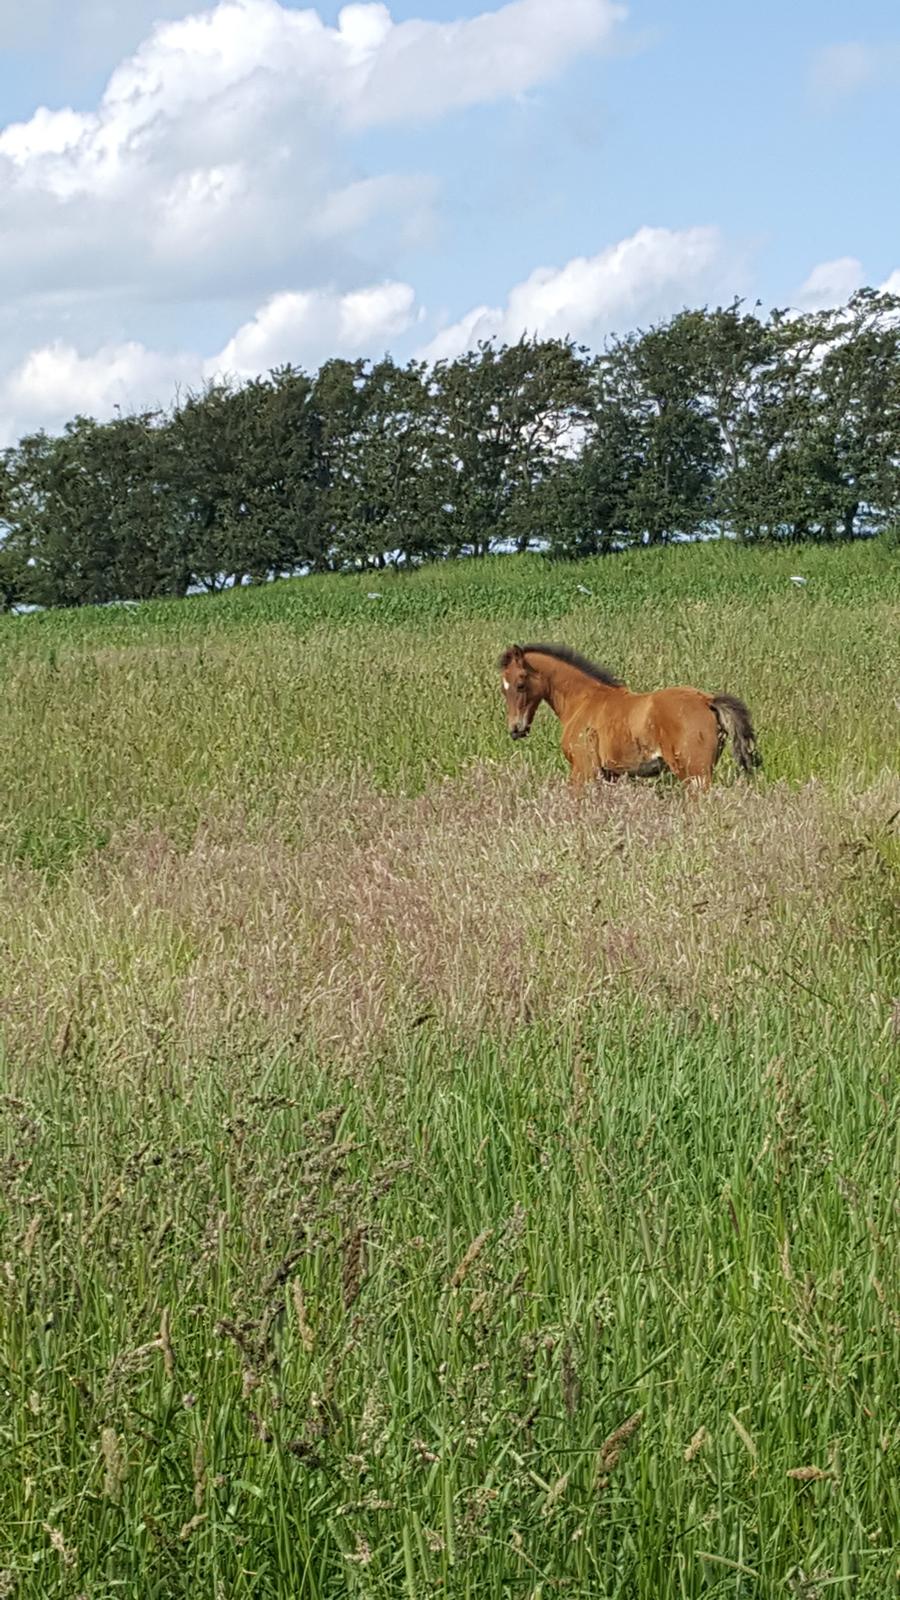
506, 684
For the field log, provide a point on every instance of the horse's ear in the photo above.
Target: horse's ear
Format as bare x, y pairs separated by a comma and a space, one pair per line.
517, 654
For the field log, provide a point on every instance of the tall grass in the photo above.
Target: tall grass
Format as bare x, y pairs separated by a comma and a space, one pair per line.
160, 711
417, 1180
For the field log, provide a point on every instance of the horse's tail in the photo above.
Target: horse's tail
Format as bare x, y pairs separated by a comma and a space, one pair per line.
735, 724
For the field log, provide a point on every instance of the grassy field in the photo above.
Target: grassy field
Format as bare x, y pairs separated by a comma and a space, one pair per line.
415, 1179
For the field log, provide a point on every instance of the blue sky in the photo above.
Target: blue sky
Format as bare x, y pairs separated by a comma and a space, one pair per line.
190, 188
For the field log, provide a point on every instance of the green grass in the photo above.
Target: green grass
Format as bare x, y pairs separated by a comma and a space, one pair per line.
147, 712
415, 1180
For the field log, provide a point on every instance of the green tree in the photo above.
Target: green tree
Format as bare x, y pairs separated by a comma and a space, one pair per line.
382, 459
504, 417
13, 578
651, 395
88, 513
820, 435
850, 451
585, 503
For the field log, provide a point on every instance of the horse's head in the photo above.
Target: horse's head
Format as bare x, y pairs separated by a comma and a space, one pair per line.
523, 689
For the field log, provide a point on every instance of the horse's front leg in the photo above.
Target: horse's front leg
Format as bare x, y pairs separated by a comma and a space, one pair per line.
577, 775
584, 760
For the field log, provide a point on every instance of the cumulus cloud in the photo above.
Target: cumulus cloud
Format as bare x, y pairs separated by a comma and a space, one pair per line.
420, 69
654, 272
217, 143
243, 60
56, 381
831, 283
221, 163
306, 328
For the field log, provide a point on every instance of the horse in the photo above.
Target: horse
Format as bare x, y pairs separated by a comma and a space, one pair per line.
609, 730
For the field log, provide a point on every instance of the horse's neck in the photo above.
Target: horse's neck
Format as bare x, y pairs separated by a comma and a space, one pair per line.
566, 686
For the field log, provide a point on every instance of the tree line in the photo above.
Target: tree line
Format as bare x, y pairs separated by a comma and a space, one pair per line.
717, 421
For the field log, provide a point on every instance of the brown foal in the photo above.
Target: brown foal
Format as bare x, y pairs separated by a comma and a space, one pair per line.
610, 731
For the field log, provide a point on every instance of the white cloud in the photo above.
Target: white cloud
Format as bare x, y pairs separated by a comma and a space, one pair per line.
653, 273
420, 69
240, 61
306, 328
204, 92
221, 162
56, 381
831, 284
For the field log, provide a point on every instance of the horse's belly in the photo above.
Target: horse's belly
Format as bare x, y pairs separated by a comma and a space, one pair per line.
635, 754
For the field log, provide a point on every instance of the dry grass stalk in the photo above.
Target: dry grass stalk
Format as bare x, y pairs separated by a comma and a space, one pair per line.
745, 1438
187, 1528
362, 1555
30, 1235
68, 1554
696, 1445
612, 1447
809, 1474
556, 1492
109, 1205
128, 1361
352, 1269
114, 1464
894, 1315
411, 905
198, 1466
470, 1257
304, 1327
424, 1453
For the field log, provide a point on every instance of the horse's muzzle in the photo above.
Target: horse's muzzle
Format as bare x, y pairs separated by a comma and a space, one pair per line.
518, 733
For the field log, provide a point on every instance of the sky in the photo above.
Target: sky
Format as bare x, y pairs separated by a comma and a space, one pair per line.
193, 189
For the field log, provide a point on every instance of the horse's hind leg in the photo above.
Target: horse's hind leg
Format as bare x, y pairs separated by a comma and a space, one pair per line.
693, 765
694, 779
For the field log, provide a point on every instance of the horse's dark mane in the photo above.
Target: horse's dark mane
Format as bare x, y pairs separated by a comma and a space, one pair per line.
561, 652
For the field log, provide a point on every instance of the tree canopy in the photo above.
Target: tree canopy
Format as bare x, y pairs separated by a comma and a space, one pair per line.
715, 421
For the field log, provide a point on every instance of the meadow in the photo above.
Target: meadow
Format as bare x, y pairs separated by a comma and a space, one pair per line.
416, 1179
